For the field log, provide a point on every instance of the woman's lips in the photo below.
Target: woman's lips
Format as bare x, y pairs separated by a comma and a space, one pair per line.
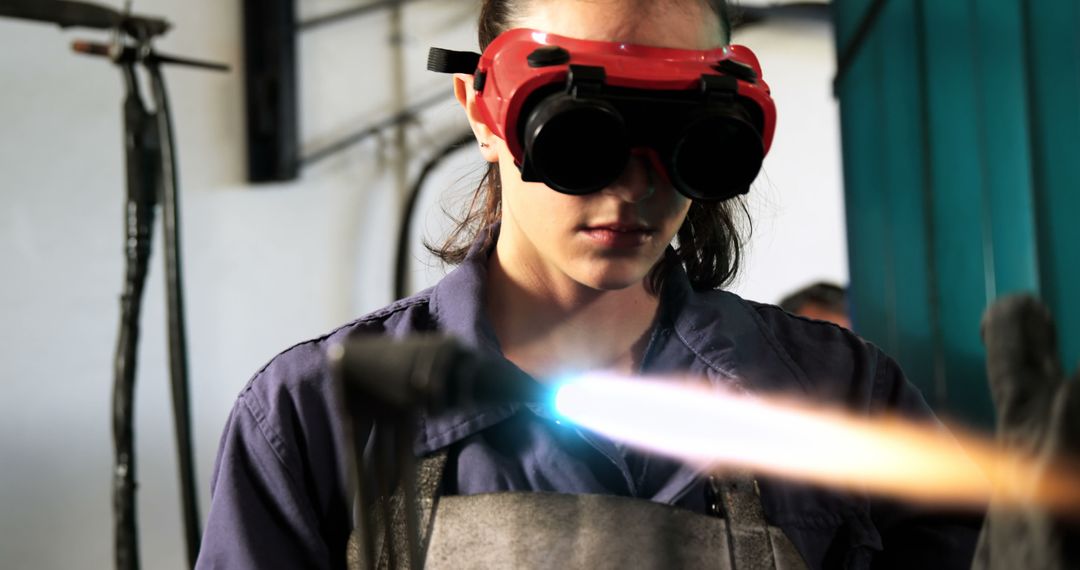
618, 235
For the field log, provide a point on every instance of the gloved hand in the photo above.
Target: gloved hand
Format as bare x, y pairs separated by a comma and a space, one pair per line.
1038, 414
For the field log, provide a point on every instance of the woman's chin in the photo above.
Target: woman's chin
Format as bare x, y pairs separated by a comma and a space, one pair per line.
610, 278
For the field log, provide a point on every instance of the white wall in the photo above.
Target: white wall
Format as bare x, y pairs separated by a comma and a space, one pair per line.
797, 203
265, 266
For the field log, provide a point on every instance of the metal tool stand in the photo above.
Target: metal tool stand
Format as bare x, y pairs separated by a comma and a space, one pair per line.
151, 180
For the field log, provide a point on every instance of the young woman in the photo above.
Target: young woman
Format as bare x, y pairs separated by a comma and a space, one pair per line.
556, 282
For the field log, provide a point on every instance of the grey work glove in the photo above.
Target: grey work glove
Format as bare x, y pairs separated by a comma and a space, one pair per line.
1039, 414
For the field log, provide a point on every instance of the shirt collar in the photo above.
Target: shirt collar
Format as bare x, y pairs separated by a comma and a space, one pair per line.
457, 305
457, 301
727, 333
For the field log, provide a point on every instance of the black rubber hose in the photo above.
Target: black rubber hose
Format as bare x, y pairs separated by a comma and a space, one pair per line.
175, 302
405, 227
141, 166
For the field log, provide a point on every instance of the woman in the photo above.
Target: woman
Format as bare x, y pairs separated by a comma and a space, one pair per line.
556, 282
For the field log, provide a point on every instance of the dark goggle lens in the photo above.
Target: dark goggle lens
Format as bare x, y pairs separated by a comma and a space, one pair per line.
575, 146
717, 158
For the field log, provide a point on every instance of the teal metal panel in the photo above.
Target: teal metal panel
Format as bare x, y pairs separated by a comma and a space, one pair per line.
957, 190
846, 17
865, 210
961, 140
1009, 229
902, 187
1053, 61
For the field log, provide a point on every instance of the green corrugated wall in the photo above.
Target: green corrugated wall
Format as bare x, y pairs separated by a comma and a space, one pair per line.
960, 123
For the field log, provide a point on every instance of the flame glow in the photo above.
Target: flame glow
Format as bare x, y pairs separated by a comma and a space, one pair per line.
887, 455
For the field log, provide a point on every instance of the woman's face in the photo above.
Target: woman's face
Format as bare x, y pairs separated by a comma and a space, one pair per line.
610, 239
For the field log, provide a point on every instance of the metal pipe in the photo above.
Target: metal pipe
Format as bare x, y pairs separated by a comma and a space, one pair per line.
349, 140
401, 279
399, 95
68, 14
348, 14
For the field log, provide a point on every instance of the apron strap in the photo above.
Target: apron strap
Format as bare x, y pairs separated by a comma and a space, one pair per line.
429, 474
736, 498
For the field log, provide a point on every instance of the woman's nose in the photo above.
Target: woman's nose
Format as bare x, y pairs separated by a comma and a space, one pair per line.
637, 181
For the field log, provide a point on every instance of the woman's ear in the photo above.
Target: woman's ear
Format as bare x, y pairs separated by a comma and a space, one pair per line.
466, 95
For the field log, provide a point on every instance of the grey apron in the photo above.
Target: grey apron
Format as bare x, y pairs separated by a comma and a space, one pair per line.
555, 530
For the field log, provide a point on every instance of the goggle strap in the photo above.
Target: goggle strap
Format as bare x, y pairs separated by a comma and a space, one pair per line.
448, 61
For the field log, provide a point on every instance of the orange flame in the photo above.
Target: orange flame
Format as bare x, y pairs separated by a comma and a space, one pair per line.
886, 455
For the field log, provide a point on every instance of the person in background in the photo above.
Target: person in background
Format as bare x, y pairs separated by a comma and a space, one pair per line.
822, 301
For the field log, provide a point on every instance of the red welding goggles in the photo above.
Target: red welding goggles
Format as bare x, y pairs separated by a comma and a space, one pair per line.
573, 111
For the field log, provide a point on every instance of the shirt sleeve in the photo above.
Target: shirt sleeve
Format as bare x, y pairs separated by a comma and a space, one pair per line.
260, 514
914, 536
842, 369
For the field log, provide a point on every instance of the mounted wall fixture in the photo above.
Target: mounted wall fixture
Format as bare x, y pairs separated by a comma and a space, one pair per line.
273, 94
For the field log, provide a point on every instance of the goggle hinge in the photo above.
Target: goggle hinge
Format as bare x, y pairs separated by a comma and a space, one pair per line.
719, 88
585, 80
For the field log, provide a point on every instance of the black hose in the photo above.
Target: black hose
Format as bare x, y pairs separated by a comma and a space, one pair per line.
141, 165
405, 227
175, 301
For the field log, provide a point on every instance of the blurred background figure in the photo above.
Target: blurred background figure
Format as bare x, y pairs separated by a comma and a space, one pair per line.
822, 301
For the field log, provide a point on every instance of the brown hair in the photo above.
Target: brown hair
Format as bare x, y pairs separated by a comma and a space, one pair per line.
709, 242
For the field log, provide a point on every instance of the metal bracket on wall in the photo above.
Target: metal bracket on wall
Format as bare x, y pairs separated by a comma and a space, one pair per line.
272, 91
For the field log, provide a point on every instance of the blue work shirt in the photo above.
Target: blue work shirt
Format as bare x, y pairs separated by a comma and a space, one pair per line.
279, 495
